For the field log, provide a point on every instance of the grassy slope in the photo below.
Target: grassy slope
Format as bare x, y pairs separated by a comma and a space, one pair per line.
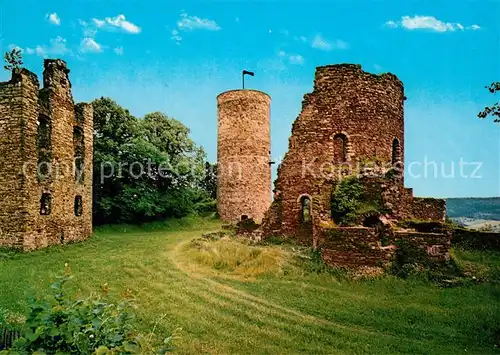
293, 313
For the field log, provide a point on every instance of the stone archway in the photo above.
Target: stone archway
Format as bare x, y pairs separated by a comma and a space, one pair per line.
305, 219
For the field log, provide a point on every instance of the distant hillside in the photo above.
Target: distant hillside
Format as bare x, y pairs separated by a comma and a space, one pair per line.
478, 208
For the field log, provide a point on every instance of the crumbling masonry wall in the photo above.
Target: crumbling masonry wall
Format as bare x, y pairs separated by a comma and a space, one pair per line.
351, 124
45, 202
243, 155
361, 246
364, 110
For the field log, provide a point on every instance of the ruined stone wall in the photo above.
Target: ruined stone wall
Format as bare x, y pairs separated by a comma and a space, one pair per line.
18, 103
437, 245
243, 155
364, 110
473, 239
352, 247
43, 156
433, 209
351, 124
361, 246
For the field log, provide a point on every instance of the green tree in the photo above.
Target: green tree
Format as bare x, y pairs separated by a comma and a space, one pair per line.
144, 169
493, 110
209, 183
114, 129
13, 59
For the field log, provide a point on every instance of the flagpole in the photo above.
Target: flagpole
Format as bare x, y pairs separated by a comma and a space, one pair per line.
243, 79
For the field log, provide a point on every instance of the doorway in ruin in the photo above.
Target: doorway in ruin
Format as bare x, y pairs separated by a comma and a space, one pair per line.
305, 219
372, 221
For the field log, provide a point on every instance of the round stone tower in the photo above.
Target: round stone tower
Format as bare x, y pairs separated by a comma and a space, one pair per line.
243, 155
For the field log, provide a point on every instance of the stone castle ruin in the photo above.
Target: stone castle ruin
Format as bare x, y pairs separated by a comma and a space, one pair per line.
46, 168
350, 131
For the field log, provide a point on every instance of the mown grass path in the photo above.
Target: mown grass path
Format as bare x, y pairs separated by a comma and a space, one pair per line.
285, 314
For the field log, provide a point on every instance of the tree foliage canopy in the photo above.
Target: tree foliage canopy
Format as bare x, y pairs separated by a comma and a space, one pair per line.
13, 59
144, 169
493, 110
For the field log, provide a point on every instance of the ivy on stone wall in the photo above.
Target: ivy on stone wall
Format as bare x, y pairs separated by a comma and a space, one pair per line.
347, 198
350, 203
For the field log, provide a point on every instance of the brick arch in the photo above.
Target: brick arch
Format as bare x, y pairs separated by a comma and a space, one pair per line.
302, 208
341, 147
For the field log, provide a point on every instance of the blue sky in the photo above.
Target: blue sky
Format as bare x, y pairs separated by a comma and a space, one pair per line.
172, 57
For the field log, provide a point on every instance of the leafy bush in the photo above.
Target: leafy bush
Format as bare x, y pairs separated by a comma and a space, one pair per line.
90, 325
146, 169
347, 198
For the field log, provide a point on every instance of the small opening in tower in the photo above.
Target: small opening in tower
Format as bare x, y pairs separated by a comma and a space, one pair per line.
396, 151
78, 206
305, 209
43, 147
340, 148
79, 151
45, 204
244, 217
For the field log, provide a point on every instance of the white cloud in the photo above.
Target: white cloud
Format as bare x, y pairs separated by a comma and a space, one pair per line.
428, 23
474, 27
57, 46
291, 58
13, 46
118, 50
319, 42
296, 59
88, 31
190, 23
176, 37
98, 23
53, 18
119, 22
391, 24
89, 45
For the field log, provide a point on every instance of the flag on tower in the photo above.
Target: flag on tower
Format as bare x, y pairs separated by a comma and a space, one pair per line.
251, 73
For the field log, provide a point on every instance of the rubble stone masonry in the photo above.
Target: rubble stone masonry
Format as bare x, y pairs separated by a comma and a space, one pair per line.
351, 117
351, 124
243, 155
42, 134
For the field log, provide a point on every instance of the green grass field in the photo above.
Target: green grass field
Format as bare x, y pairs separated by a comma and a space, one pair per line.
231, 298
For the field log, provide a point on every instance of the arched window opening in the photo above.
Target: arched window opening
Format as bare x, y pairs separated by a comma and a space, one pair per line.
43, 146
372, 222
244, 217
340, 148
305, 209
396, 151
45, 204
78, 206
79, 151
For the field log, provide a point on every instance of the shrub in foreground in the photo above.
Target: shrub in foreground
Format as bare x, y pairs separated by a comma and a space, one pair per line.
90, 325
